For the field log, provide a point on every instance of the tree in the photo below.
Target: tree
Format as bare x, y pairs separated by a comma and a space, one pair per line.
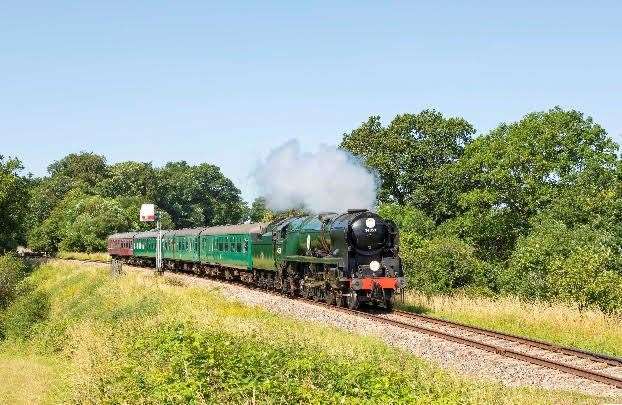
129, 179
13, 203
549, 160
408, 156
576, 265
259, 211
82, 222
198, 195
84, 167
83, 171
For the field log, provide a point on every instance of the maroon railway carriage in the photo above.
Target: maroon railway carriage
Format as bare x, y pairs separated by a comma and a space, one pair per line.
121, 244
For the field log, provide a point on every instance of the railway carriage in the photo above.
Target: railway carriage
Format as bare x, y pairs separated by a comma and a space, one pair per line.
229, 246
121, 245
145, 247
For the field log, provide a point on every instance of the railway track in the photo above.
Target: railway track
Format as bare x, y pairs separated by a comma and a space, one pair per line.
591, 366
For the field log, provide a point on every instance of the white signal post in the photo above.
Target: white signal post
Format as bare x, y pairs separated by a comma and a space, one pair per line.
148, 214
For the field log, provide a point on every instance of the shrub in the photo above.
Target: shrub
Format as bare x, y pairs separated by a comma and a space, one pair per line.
12, 271
415, 227
575, 265
409, 219
443, 264
183, 363
27, 310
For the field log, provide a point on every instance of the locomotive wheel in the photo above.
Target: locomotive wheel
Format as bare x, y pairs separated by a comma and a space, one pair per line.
331, 296
339, 299
292, 287
388, 300
353, 300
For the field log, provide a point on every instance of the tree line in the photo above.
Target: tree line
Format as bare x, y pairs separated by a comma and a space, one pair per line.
82, 200
531, 207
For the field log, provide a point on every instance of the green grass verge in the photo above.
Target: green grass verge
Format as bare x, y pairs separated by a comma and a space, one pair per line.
586, 329
80, 335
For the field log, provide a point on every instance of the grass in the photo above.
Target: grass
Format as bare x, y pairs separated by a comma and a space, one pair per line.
97, 256
84, 336
27, 379
588, 329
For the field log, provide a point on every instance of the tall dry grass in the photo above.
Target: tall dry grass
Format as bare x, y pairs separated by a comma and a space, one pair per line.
587, 329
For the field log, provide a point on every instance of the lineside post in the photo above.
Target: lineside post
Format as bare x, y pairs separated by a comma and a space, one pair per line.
116, 267
148, 213
159, 246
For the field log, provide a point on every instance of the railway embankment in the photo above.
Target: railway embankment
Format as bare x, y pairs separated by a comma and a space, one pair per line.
557, 323
75, 332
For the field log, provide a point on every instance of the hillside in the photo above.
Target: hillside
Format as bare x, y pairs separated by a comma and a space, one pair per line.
77, 334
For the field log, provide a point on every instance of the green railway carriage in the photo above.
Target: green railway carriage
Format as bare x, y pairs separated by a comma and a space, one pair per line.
230, 245
263, 250
185, 243
145, 244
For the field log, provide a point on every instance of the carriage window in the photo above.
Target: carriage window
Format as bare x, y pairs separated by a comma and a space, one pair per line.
315, 224
239, 247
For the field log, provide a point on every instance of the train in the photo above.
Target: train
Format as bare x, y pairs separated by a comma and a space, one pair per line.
346, 259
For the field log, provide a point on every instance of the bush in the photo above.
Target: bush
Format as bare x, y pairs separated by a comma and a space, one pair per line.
574, 265
12, 271
443, 264
28, 310
415, 227
409, 219
184, 363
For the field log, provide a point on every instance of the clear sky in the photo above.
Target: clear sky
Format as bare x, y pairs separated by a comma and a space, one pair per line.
226, 82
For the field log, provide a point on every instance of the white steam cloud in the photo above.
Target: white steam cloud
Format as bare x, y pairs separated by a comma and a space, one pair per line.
329, 180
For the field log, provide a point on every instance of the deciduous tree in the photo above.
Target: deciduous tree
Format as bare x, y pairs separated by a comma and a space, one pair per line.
13, 203
408, 155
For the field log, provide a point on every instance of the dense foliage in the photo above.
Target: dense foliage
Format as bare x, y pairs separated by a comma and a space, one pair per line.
12, 271
531, 208
83, 200
13, 203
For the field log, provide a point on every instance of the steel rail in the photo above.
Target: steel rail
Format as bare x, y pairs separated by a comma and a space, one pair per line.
553, 364
598, 357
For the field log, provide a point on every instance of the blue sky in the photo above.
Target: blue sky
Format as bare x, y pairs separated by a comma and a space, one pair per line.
227, 82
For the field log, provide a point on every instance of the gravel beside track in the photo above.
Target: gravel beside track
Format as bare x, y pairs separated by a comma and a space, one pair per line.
607, 365
457, 357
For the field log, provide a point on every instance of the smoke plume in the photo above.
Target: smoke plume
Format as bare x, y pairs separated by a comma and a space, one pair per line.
329, 180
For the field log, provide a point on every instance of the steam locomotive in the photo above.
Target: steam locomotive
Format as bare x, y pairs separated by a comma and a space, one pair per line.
345, 259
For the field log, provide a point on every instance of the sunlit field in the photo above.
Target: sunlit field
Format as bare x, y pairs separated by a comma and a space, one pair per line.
76, 334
